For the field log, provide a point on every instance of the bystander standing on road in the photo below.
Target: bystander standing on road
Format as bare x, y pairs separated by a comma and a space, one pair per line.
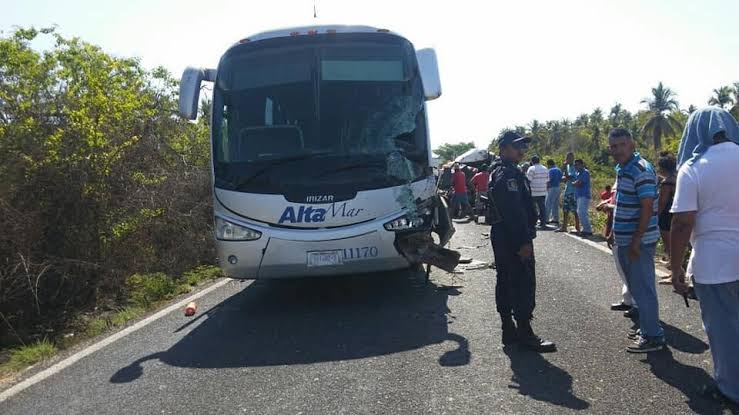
627, 303
635, 233
582, 196
538, 176
480, 184
460, 200
666, 166
706, 212
552, 201
569, 204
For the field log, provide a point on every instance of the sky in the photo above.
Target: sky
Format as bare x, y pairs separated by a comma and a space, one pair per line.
502, 63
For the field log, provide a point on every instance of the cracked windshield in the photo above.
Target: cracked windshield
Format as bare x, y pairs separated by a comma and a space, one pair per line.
342, 109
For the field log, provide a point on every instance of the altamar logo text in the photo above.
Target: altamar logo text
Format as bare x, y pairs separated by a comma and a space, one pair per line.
308, 214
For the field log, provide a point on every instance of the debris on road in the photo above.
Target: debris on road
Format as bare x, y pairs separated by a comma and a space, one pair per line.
473, 265
191, 309
469, 247
420, 247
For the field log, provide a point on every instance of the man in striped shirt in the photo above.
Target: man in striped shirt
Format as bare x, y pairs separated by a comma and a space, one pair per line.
635, 232
538, 176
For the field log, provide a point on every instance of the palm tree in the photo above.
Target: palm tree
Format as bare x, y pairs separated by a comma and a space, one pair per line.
661, 122
615, 115
735, 109
721, 97
583, 120
596, 120
535, 129
205, 110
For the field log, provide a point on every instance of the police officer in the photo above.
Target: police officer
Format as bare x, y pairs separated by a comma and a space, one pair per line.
513, 219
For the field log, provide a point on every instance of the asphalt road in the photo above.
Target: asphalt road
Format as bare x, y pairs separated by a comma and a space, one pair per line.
393, 344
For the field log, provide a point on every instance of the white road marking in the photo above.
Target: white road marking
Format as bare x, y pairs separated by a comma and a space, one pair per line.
38, 377
605, 249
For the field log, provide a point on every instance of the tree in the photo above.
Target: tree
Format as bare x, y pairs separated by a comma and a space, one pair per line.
205, 111
735, 108
449, 152
596, 121
99, 180
661, 122
615, 115
721, 97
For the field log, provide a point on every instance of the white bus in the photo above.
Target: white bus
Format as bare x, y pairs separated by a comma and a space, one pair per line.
320, 152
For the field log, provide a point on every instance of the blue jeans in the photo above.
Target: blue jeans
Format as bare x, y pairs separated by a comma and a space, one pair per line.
583, 204
461, 204
552, 204
640, 279
720, 312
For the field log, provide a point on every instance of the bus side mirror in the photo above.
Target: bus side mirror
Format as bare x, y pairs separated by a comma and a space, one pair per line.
190, 90
429, 68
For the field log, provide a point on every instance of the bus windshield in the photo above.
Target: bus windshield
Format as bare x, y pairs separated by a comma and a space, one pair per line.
340, 109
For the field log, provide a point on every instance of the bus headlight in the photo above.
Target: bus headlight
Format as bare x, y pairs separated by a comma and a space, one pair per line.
228, 231
405, 223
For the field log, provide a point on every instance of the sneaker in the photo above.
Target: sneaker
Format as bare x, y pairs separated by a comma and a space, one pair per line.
646, 345
620, 306
634, 334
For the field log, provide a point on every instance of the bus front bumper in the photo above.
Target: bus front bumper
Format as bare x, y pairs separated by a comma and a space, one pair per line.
288, 254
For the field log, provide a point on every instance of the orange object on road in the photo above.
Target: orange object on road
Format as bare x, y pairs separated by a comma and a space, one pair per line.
191, 309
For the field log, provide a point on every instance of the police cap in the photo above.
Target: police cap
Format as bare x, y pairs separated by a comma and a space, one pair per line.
514, 138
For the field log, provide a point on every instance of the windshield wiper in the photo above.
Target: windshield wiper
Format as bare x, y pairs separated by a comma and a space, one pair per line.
279, 162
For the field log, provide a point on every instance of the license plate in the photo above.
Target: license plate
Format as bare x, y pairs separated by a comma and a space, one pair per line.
324, 258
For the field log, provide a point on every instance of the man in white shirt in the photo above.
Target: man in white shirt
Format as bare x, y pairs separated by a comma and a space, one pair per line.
706, 212
538, 176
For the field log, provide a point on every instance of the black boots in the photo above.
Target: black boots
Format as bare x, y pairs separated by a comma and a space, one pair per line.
509, 330
529, 340
524, 335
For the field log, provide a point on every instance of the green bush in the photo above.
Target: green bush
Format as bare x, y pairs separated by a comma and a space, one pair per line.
146, 289
28, 355
99, 181
201, 273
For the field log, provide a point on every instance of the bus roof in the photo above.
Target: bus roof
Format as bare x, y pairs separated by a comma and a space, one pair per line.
312, 30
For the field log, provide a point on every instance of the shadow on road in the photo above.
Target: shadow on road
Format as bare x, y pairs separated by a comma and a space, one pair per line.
315, 320
685, 342
687, 379
539, 379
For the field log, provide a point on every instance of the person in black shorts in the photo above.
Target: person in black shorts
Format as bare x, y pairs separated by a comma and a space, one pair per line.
666, 169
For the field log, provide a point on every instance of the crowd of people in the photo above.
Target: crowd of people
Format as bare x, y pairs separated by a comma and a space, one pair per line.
690, 201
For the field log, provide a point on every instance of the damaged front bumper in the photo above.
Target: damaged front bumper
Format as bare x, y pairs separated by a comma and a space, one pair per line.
418, 245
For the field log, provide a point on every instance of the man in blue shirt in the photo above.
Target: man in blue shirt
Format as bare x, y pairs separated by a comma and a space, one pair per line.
552, 200
569, 204
635, 232
582, 196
